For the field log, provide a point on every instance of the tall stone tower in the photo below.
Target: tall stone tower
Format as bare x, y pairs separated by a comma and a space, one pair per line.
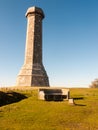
32, 72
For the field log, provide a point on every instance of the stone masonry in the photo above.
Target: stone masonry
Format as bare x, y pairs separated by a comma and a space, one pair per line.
32, 72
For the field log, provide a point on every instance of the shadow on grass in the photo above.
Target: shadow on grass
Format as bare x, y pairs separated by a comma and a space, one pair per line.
10, 97
78, 98
80, 105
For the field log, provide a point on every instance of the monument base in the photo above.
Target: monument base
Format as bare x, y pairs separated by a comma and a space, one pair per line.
35, 76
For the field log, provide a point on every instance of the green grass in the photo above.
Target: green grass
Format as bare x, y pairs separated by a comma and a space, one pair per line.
33, 114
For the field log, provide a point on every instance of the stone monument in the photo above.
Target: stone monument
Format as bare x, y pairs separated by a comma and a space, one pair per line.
32, 72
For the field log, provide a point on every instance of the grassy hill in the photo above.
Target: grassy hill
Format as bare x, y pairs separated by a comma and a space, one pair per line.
23, 111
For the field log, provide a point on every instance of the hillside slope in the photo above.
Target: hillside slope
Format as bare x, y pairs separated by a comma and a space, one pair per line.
33, 114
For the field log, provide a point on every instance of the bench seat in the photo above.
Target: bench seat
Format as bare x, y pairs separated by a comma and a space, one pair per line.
53, 94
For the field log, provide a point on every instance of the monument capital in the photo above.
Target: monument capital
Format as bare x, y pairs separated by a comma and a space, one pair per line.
34, 10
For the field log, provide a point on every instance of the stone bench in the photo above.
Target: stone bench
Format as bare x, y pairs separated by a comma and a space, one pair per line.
53, 94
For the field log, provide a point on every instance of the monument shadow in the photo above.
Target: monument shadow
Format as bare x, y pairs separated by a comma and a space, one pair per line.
10, 97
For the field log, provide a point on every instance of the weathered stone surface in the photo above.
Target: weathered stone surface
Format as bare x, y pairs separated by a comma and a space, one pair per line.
33, 73
71, 101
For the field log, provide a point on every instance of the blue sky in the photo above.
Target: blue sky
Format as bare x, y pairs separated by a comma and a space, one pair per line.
70, 40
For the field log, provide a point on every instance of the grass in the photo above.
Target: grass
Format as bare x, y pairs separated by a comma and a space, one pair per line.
33, 114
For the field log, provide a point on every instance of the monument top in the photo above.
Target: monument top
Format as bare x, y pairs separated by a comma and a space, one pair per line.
33, 10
